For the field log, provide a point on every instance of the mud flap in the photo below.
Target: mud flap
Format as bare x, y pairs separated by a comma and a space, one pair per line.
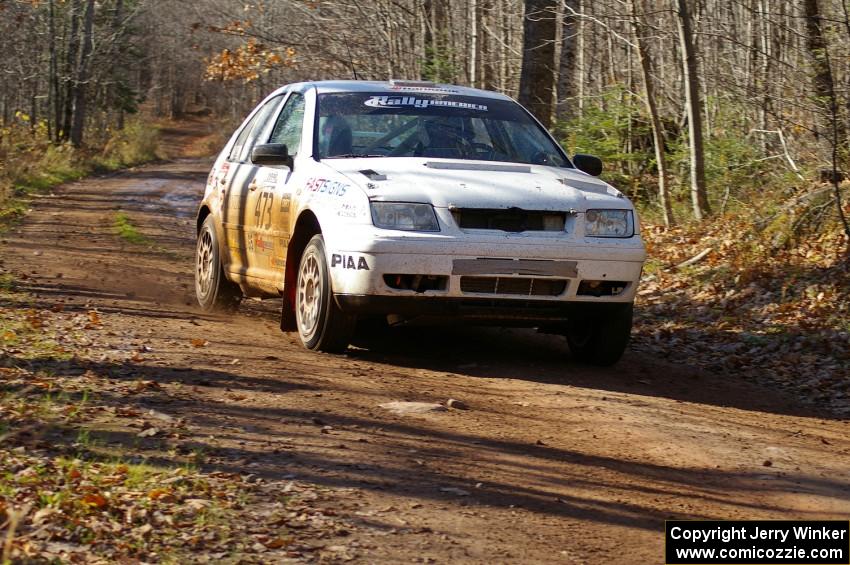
287, 317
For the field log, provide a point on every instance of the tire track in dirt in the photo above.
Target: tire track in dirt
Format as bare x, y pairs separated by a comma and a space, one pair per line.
561, 462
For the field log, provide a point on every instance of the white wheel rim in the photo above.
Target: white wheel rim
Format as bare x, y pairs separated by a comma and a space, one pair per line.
309, 299
204, 273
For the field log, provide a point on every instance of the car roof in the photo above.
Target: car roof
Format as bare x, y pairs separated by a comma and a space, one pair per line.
393, 87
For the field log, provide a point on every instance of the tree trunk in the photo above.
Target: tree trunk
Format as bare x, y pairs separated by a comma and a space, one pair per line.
488, 69
824, 86
506, 41
645, 58
565, 107
473, 42
536, 87
53, 108
437, 41
846, 11
580, 63
71, 69
34, 106
822, 80
699, 194
112, 90
427, 37
81, 82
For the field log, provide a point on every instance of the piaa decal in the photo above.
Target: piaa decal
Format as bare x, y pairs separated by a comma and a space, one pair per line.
349, 262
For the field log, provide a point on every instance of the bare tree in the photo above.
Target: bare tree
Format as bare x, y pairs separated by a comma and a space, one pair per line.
71, 67
822, 80
645, 58
82, 78
824, 87
537, 82
568, 78
699, 193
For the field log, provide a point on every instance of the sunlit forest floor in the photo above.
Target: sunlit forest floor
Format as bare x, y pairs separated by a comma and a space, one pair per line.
780, 315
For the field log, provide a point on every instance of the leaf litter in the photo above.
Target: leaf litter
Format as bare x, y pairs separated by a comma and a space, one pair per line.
65, 496
775, 316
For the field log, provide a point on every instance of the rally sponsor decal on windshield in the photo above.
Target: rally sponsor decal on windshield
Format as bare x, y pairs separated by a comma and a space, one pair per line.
393, 101
436, 89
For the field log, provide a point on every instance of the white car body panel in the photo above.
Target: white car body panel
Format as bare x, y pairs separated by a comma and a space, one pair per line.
360, 254
541, 188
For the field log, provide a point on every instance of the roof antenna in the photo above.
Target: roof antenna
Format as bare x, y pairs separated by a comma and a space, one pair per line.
350, 58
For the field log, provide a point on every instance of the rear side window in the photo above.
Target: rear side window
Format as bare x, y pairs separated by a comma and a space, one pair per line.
236, 150
252, 129
287, 129
260, 123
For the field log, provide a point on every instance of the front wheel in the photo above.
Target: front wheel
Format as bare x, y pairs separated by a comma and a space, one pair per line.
600, 333
322, 326
212, 289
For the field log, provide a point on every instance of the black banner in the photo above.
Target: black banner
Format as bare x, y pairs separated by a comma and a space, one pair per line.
758, 542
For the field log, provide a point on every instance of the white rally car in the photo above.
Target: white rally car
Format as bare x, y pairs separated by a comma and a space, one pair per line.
409, 201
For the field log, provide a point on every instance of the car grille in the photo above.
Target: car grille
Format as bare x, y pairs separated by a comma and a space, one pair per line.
510, 220
513, 285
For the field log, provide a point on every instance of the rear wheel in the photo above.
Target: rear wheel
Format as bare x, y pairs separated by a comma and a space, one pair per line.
322, 326
600, 333
212, 289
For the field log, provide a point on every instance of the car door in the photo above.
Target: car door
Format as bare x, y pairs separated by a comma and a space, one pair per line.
270, 197
240, 174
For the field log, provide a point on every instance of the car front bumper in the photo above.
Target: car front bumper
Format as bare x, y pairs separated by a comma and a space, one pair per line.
359, 268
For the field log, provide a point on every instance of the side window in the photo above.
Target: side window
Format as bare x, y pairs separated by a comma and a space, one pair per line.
287, 129
260, 124
236, 150
248, 130
529, 146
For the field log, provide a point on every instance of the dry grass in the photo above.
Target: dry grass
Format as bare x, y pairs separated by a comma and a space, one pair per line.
30, 163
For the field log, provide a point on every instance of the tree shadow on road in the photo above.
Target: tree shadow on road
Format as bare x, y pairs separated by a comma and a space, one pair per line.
409, 458
480, 352
527, 355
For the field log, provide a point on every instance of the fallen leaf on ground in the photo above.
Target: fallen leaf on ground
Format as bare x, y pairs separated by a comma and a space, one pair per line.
96, 500
148, 432
159, 493
277, 543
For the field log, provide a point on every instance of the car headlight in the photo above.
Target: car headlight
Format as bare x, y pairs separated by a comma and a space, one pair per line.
404, 216
609, 223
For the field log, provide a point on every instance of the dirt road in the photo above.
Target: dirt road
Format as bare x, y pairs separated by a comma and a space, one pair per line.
553, 462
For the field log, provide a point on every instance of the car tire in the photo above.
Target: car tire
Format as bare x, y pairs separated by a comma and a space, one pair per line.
322, 326
600, 333
212, 289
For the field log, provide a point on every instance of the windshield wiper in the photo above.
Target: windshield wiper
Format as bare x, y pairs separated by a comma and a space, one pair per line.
352, 156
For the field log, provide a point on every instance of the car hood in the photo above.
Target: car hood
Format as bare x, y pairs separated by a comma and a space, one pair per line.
450, 183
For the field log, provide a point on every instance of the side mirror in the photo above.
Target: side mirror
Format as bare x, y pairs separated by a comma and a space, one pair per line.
588, 163
271, 154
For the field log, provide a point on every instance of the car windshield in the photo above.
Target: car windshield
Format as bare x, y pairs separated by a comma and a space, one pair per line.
431, 125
